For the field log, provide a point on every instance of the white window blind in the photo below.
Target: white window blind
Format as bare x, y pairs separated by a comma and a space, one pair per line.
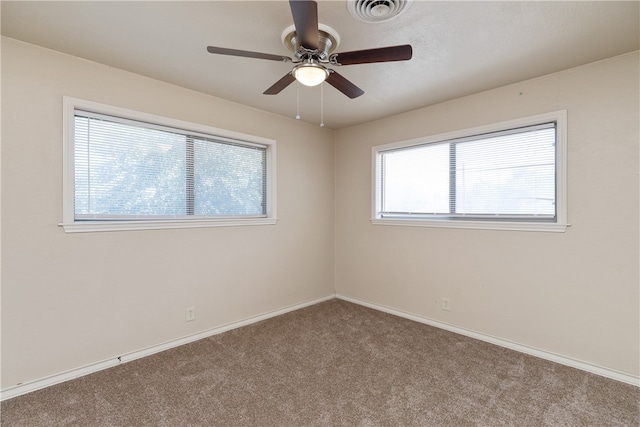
134, 170
499, 174
506, 174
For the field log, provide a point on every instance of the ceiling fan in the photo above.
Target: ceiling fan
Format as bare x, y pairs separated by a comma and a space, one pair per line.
312, 48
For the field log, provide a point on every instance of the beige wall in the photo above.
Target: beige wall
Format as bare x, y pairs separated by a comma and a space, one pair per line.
69, 300
73, 299
574, 294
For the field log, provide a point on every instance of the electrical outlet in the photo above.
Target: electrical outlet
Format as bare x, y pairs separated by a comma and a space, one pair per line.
191, 314
446, 304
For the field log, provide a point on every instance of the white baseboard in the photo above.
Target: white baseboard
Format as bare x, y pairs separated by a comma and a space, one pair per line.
563, 360
98, 366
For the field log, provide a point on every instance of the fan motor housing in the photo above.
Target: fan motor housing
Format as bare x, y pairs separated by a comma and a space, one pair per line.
328, 41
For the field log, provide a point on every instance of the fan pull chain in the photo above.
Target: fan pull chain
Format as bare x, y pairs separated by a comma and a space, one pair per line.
297, 100
321, 105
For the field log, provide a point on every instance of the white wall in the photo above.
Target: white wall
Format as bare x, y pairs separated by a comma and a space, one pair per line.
69, 300
574, 294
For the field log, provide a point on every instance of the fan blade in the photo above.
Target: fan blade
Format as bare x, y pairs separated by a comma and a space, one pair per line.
367, 56
247, 54
344, 85
280, 84
305, 19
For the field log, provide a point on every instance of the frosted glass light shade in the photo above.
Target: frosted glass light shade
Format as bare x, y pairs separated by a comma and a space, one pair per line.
310, 74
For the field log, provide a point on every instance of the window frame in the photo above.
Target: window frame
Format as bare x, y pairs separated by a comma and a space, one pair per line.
71, 225
559, 225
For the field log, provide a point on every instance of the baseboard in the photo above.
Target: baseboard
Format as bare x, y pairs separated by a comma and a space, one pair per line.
98, 366
563, 360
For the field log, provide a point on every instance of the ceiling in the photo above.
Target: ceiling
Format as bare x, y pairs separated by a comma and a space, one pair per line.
459, 48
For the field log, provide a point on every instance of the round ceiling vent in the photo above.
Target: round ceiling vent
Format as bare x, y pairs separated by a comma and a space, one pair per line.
376, 11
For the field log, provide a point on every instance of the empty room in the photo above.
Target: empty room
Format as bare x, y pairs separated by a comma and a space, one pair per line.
331, 213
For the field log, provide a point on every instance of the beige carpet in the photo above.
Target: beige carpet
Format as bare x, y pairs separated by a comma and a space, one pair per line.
333, 364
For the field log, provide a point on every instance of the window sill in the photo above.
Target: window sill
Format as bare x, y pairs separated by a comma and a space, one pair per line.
98, 226
476, 225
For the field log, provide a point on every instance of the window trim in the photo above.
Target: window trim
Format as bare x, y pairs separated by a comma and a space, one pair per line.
559, 225
70, 225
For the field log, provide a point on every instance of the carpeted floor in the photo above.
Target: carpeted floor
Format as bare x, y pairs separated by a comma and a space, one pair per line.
333, 364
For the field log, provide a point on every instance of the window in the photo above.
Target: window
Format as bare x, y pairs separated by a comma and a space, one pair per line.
505, 176
130, 170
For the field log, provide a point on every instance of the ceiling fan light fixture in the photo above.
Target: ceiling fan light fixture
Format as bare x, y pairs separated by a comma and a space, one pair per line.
310, 73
